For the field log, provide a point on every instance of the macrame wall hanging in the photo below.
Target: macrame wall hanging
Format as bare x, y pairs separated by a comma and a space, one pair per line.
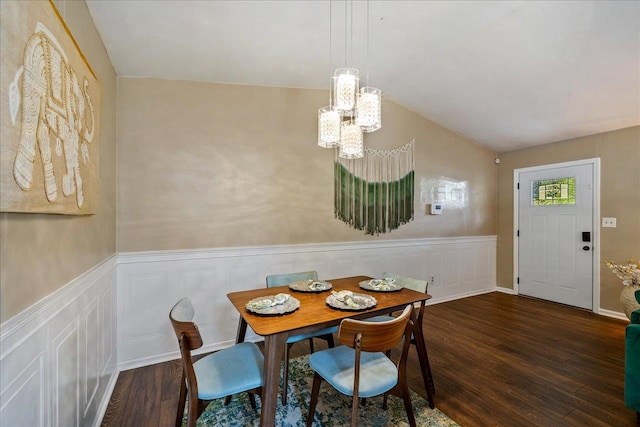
375, 193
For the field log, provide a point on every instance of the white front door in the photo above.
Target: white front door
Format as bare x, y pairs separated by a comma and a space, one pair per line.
555, 235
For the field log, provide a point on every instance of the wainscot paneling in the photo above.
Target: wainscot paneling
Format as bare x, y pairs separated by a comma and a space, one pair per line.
58, 357
150, 283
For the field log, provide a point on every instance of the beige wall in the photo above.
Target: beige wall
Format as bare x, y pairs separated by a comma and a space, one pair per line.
40, 253
619, 152
210, 165
204, 165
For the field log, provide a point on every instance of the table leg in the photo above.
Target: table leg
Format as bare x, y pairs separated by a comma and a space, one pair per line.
242, 330
274, 351
423, 357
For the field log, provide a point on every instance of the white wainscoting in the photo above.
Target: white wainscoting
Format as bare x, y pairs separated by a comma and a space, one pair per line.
58, 358
150, 283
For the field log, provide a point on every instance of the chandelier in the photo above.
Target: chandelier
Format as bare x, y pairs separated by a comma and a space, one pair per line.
352, 110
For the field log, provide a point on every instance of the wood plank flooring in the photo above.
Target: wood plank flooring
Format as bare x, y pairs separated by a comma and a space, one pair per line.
497, 360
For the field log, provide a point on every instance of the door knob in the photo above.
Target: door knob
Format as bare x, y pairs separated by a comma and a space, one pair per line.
585, 248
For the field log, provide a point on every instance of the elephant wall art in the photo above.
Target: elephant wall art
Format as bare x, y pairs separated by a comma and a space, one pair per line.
51, 144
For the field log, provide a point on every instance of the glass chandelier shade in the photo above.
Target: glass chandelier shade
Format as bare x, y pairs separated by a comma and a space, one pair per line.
345, 87
328, 127
352, 110
351, 141
369, 112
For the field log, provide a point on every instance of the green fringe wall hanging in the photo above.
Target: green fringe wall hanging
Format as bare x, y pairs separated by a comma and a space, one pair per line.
375, 193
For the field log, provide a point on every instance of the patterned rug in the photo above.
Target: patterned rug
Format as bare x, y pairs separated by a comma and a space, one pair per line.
333, 409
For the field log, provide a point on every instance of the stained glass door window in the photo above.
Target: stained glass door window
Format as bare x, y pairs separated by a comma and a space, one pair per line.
557, 191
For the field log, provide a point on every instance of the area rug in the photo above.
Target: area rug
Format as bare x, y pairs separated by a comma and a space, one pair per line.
333, 409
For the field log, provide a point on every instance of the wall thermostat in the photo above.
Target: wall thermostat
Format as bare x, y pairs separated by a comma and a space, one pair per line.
436, 209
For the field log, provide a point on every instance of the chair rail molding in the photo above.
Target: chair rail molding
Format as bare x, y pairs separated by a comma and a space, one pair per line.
150, 283
58, 358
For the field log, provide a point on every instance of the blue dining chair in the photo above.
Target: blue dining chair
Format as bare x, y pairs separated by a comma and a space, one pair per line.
233, 370
360, 368
406, 282
419, 286
326, 334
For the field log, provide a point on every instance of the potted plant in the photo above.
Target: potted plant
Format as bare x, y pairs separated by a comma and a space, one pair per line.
629, 273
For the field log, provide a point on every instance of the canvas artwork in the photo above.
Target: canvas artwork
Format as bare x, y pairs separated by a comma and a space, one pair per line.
50, 115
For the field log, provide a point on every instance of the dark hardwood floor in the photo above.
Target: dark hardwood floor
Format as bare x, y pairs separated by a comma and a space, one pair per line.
497, 360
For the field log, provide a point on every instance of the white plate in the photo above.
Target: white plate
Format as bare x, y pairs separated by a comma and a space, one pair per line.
310, 286
261, 306
360, 302
381, 285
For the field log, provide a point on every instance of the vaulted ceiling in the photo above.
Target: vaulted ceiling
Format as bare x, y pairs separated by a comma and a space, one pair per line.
507, 74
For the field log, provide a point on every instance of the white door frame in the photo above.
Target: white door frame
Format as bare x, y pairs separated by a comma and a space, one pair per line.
595, 226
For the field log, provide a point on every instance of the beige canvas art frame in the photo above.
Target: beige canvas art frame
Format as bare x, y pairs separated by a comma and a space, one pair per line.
50, 114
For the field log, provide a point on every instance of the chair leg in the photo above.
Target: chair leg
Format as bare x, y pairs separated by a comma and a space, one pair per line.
252, 400
426, 368
354, 411
311, 345
315, 390
202, 405
330, 341
182, 399
285, 374
408, 407
192, 416
385, 405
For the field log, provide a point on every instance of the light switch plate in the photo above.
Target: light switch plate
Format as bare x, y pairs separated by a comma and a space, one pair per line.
609, 222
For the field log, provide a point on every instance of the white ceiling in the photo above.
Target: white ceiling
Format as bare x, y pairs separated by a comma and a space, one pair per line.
507, 74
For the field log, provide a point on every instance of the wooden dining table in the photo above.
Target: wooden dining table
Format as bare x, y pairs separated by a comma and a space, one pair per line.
314, 314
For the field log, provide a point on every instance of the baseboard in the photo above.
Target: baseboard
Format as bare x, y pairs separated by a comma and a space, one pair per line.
461, 295
104, 404
614, 314
505, 290
601, 311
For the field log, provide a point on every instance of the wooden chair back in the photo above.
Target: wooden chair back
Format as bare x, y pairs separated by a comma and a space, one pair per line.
189, 338
181, 316
374, 336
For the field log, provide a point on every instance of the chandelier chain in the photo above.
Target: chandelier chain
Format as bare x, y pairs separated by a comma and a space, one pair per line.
351, 33
330, 46
367, 42
346, 62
